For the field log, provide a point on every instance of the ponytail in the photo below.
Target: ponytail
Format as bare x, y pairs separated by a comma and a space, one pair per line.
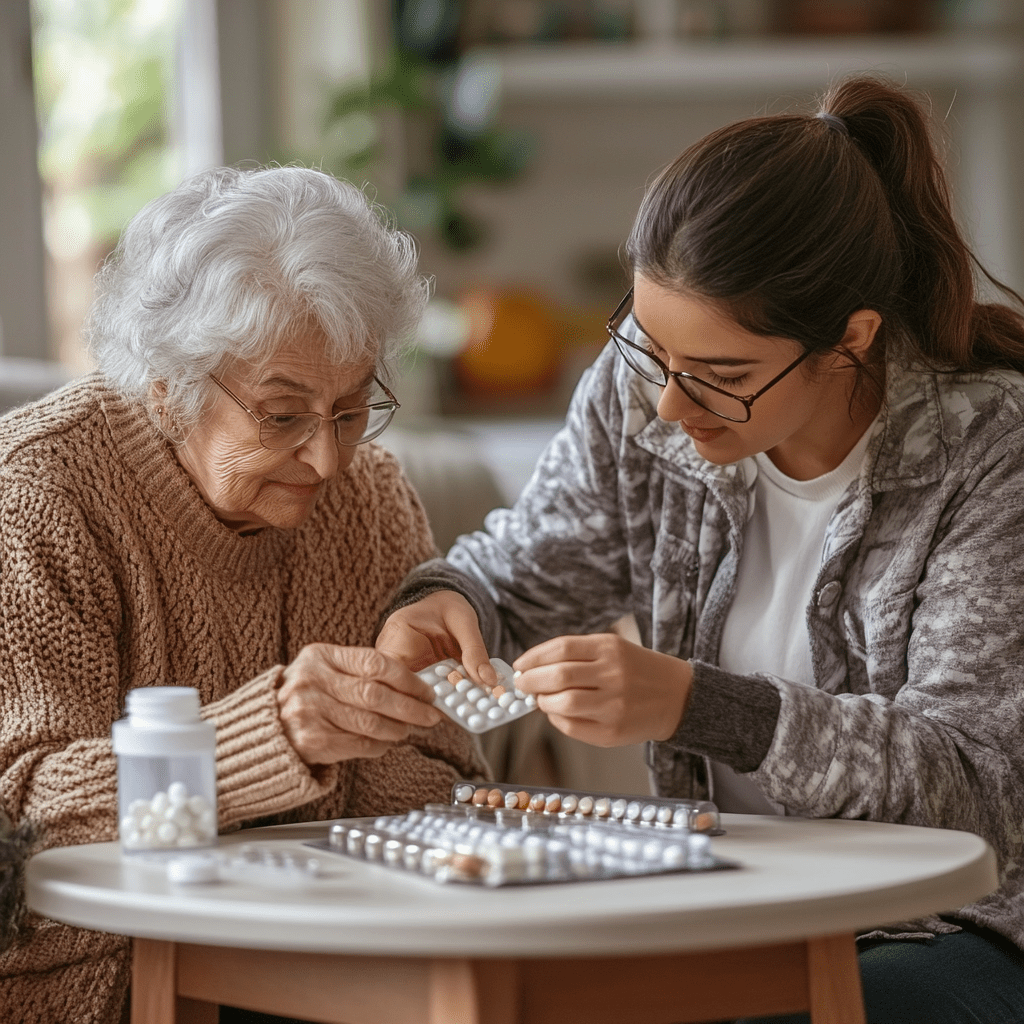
936, 301
791, 223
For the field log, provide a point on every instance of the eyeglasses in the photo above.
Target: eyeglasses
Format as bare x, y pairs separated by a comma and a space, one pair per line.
716, 400
351, 426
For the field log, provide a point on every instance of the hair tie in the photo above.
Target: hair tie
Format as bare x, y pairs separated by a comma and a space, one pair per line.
835, 123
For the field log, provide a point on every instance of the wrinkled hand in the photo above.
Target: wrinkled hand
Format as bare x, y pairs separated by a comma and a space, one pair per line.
337, 703
442, 625
604, 690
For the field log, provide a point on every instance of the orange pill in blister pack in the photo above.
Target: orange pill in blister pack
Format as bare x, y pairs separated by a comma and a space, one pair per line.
480, 797
495, 798
524, 800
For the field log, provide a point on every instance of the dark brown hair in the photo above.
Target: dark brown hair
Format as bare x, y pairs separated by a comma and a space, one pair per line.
792, 222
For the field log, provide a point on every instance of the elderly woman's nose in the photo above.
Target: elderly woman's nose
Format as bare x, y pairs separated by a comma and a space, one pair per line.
321, 452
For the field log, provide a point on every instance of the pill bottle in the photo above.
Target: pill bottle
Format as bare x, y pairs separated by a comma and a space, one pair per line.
166, 771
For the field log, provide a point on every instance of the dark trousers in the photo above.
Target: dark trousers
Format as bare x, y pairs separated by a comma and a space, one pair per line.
970, 977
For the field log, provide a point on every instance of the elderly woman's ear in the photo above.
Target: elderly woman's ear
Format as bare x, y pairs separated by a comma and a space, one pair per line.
156, 403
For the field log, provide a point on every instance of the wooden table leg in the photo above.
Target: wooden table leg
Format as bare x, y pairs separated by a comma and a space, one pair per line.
473, 992
833, 978
154, 988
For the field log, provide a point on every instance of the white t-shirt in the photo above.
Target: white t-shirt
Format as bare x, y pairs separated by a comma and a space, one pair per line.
766, 630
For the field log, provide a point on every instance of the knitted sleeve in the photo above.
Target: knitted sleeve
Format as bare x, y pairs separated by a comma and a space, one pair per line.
60, 614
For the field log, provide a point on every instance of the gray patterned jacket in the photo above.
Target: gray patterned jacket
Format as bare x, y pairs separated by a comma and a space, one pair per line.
915, 621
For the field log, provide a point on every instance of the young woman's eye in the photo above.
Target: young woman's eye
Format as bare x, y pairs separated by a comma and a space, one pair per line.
726, 382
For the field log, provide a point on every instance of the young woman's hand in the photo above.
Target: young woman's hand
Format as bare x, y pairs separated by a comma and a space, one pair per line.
604, 690
337, 703
442, 625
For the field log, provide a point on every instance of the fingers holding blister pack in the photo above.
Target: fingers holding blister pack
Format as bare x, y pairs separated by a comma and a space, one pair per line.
476, 707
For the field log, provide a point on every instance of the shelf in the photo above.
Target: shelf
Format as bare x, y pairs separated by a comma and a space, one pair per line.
717, 68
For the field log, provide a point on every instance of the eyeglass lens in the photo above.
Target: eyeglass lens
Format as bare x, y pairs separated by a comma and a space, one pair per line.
349, 429
632, 343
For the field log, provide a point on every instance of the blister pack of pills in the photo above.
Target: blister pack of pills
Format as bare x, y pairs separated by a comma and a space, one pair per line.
486, 842
250, 863
477, 708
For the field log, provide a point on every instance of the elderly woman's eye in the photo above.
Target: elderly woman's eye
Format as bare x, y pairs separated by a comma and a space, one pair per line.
283, 420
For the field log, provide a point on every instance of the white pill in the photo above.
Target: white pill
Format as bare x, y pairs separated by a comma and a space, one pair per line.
530, 701
464, 794
177, 793
463, 710
485, 704
674, 856
186, 837
633, 810
147, 822
516, 674
443, 688
198, 803
443, 669
475, 721
648, 813
515, 707
453, 700
127, 825
664, 815
465, 684
138, 808
506, 698
519, 695
181, 816
167, 832
158, 804
475, 694
495, 714
192, 870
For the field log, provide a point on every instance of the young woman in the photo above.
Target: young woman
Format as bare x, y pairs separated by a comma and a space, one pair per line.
799, 463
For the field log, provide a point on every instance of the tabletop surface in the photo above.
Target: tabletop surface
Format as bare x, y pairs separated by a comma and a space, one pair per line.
797, 878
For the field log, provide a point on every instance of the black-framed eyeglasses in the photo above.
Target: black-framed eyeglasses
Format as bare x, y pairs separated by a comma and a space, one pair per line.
351, 426
718, 401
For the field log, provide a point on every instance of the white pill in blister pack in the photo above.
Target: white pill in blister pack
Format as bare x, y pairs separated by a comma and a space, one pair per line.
252, 863
474, 707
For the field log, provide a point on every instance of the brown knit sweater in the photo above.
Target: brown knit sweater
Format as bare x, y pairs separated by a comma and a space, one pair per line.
114, 574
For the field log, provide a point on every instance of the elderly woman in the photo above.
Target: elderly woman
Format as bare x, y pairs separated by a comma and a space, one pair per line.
204, 510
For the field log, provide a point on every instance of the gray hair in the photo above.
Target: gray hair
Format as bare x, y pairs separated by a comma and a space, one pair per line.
233, 263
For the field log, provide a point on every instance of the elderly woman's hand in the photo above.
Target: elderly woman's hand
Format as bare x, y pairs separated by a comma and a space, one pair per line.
337, 703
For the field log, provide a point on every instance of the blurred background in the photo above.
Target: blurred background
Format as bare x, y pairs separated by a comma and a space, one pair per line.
513, 138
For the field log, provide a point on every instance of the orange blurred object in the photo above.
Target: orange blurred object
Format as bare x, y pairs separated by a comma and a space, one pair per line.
514, 346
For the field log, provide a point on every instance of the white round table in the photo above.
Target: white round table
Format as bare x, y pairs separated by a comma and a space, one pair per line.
363, 944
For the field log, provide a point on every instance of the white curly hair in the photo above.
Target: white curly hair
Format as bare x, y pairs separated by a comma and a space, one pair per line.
233, 263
